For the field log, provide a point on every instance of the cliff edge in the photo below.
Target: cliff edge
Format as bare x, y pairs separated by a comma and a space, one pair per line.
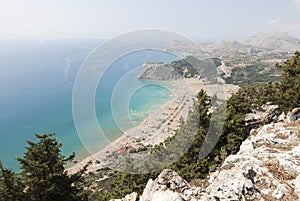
267, 166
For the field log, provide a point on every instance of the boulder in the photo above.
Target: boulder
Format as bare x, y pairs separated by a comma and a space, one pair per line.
130, 197
293, 115
271, 114
265, 168
168, 181
167, 195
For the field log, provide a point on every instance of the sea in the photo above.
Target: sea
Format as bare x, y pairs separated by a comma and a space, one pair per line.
36, 85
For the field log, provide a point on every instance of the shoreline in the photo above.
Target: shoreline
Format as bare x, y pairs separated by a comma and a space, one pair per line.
160, 124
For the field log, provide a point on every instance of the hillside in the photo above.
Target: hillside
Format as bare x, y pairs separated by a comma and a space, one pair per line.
256, 156
245, 148
247, 61
188, 67
278, 41
265, 168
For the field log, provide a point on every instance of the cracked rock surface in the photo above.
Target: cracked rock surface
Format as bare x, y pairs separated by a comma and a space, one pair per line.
267, 166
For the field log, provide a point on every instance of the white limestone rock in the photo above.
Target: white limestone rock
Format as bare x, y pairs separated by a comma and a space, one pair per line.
267, 166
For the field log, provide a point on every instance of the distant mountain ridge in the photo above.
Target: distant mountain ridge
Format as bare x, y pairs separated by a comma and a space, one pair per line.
274, 41
278, 41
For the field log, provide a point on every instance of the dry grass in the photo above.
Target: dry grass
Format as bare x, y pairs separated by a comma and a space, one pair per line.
278, 171
282, 136
297, 131
270, 129
254, 132
288, 147
294, 124
290, 196
227, 167
283, 176
202, 183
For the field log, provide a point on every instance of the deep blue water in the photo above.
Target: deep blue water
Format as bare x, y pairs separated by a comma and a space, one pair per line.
36, 83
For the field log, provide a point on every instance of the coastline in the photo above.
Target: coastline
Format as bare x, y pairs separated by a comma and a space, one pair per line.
160, 124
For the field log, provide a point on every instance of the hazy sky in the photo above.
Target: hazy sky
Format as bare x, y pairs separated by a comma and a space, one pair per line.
197, 19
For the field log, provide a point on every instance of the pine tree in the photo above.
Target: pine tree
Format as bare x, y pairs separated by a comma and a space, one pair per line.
11, 186
203, 104
44, 174
290, 87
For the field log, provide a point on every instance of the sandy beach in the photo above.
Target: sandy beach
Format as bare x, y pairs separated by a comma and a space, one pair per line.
160, 123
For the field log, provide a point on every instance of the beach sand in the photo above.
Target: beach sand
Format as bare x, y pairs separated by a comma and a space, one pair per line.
160, 123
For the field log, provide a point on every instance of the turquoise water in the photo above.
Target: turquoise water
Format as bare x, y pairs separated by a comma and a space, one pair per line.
36, 83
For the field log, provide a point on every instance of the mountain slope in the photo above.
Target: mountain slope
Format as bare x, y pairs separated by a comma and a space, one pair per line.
267, 166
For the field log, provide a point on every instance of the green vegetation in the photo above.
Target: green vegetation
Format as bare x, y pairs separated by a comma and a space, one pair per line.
43, 176
284, 93
194, 132
183, 67
256, 72
191, 67
190, 165
289, 97
11, 186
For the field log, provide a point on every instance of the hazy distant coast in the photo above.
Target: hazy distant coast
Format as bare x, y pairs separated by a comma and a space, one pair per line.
234, 63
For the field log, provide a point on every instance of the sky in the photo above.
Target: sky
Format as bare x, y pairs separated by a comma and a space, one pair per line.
196, 19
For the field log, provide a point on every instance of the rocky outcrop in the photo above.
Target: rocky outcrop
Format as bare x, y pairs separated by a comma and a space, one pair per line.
293, 115
267, 166
130, 197
168, 186
263, 115
183, 68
